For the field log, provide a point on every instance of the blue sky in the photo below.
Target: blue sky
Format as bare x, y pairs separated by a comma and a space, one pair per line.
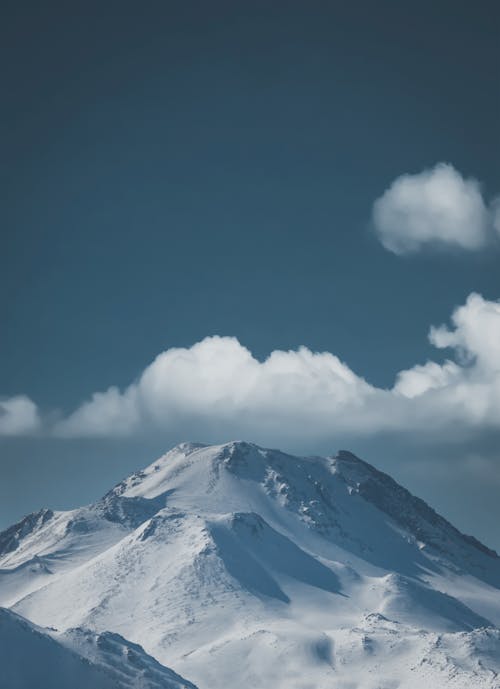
195, 171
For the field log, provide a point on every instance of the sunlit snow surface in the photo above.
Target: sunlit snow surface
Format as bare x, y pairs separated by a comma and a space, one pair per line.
243, 567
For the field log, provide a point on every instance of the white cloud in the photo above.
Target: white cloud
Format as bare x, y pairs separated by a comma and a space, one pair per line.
436, 207
467, 392
431, 376
476, 335
218, 381
106, 413
216, 388
217, 385
18, 416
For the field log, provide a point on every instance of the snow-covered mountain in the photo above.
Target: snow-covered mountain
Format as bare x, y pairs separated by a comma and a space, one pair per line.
240, 566
35, 658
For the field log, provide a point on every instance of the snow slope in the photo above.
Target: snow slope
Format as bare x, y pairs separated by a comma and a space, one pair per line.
33, 657
240, 566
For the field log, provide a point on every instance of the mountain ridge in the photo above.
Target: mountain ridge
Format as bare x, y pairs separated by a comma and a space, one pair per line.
76, 658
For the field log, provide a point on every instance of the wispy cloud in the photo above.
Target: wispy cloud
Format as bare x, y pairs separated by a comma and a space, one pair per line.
435, 208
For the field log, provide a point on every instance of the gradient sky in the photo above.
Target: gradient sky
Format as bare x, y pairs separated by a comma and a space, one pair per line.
178, 170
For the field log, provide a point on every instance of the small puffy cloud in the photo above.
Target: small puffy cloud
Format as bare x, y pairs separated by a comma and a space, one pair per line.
476, 333
431, 376
106, 413
218, 386
436, 207
18, 416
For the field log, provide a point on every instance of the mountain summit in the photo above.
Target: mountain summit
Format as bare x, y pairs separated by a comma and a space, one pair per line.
243, 566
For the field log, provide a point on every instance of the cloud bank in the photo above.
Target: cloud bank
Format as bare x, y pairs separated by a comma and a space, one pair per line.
218, 383
217, 386
436, 207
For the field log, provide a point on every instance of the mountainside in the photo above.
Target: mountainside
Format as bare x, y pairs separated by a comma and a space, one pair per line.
240, 566
31, 656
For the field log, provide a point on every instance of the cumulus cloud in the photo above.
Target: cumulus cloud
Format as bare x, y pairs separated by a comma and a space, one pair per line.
218, 384
18, 416
430, 376
476, 333
467, 391
217, 388
436, 207
218, 381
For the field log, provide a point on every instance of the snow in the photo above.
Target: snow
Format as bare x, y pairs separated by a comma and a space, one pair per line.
43, 658
241, 566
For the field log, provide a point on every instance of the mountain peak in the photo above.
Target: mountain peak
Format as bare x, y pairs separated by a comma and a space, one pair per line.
347, 456
312, 487
214, 554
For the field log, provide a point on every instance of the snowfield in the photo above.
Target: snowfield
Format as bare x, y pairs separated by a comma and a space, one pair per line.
239, 566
